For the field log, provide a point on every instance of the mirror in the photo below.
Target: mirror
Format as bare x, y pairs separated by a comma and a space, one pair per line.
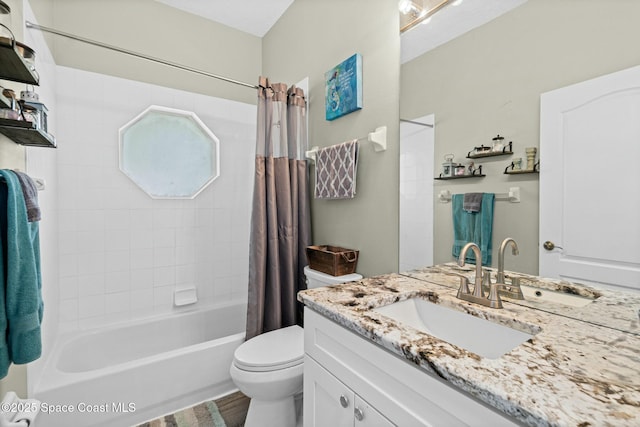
484, 83
490, 81
169, 153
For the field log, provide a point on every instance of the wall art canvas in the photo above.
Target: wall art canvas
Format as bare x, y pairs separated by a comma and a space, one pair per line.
343, 88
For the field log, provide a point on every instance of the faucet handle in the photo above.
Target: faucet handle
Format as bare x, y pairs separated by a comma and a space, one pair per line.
464, 286
486, 277
494, 295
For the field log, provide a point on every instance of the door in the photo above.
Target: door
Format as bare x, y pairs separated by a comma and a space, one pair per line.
590, 181
327, 402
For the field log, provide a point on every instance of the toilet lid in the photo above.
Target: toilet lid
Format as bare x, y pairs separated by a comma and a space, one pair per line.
271, 351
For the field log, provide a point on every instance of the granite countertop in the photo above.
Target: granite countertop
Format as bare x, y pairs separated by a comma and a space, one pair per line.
613, 309
571, 373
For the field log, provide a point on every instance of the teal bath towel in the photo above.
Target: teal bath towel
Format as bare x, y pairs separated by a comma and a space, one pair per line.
476, 227
21, 300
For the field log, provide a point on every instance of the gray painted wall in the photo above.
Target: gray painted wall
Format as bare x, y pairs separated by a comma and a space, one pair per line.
489, 81
310, 39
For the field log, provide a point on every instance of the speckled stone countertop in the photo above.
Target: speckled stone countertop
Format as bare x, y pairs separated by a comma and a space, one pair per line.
613, 309
571, 373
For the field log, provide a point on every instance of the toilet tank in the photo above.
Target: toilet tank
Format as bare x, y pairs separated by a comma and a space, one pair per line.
316, 279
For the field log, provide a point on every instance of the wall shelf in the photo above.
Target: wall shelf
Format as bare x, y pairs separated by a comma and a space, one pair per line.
14, 67
506, 151
444, 178
519, 172
510, 171
24, 133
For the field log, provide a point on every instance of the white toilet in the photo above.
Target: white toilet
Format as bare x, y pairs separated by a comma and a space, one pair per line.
268, 368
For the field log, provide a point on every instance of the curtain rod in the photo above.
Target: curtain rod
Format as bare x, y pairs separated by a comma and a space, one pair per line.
416, 123
138, 55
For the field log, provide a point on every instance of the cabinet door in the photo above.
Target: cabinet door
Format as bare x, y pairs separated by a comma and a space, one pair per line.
366, 416
327, 402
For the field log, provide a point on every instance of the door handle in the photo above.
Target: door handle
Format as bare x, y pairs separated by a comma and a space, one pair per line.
359, 414
549, 245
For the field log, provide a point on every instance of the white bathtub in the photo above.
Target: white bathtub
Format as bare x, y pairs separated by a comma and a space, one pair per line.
121, 376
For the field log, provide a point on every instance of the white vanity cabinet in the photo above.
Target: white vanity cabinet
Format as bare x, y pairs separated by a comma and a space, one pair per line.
350, 381
331, 403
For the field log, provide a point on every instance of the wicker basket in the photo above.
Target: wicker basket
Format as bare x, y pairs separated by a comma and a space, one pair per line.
332, 260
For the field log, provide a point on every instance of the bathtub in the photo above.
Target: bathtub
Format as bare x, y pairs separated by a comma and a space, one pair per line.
125, 375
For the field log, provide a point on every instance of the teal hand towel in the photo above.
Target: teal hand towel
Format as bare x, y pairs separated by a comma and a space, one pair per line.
21, 304
476, 227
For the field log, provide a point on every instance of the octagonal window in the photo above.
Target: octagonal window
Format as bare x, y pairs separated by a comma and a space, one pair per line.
169, 153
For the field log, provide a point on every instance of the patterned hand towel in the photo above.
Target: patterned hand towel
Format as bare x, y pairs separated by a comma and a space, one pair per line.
336, 169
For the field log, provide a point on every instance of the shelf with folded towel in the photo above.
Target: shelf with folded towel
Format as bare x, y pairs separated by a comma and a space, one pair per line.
512, 196
378, 137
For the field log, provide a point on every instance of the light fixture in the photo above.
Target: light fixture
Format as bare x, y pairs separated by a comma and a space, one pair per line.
405, 6
413, 12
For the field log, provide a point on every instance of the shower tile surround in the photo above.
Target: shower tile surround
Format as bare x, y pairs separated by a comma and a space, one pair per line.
121, 253
571, 373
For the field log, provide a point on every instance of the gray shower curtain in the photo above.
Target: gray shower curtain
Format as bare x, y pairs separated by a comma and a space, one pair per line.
280, 219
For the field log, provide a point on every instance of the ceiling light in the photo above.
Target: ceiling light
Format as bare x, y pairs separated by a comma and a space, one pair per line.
413, 12
404, 6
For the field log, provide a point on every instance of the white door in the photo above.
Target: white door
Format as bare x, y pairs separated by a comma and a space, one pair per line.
590, 181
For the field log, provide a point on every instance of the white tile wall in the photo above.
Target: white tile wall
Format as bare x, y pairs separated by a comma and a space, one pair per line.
416, 194
121, 253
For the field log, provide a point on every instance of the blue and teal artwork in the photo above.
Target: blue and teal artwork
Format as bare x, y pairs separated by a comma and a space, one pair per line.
343, 88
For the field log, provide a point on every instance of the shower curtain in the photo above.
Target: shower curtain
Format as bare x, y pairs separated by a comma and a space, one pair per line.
280, 219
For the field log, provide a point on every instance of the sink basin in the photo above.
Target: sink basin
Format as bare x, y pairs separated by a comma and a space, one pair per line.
479, 336
532, 293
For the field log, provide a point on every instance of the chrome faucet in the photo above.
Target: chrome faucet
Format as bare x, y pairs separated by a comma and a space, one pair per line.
503, 247
513, 290
477, 289
478, 297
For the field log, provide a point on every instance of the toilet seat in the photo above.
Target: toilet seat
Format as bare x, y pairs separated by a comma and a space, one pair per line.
271, 351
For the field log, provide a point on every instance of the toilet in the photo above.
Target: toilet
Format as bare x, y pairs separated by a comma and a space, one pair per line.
268, 367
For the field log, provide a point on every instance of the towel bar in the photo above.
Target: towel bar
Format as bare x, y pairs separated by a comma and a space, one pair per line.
378, 137
40, 183
513, 196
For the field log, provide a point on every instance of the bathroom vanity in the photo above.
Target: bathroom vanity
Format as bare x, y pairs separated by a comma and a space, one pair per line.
366, 363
